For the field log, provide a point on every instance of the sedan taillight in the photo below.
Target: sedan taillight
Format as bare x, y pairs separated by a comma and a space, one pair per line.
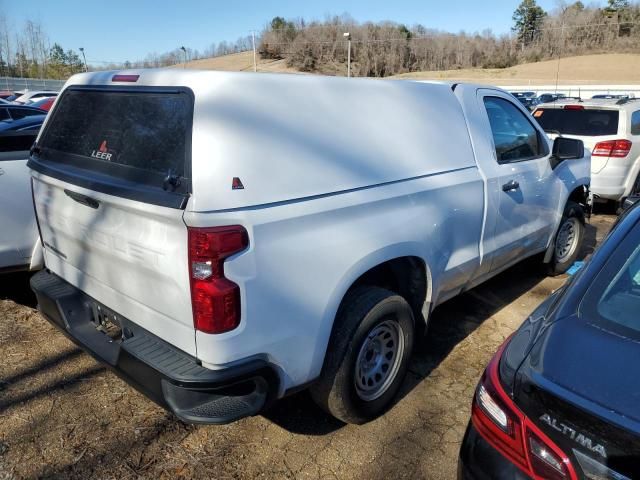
214, 298
501, 423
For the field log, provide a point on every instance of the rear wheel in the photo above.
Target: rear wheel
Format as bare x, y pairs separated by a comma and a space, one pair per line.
367, 357
568, 240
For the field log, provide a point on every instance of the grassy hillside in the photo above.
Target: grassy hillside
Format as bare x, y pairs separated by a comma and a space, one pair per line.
239, 62
613, 68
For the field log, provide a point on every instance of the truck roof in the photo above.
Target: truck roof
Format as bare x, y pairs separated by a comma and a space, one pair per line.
288, 136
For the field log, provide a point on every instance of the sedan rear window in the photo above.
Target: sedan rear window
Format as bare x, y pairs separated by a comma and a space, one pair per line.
586, 122
613, 300
18, 113
145, 131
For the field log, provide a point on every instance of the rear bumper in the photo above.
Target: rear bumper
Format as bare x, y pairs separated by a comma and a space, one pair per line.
480, 461
608, 184
165, 374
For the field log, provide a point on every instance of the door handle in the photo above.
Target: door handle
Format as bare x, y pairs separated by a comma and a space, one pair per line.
83, 199
510, 186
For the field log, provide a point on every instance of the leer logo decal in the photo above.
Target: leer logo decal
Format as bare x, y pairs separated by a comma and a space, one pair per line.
102, 153
236, 184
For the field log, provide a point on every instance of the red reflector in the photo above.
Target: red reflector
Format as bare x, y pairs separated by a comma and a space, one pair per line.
520, 441
125, 78
215, 299
612, 148
573, 107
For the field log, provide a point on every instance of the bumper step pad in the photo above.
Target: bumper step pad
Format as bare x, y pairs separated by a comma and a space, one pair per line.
172, 378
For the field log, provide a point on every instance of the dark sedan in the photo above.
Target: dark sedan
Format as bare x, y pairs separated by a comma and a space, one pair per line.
32, 122
17, 112
561, 398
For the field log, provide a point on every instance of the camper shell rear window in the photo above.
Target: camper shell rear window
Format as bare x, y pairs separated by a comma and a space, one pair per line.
137, 135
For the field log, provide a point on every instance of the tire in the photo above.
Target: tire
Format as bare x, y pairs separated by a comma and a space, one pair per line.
567, 243
363, 340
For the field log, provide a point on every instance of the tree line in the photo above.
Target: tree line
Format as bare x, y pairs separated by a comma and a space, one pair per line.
28, 53
388, 48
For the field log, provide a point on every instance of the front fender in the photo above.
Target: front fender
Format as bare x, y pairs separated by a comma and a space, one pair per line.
572, 174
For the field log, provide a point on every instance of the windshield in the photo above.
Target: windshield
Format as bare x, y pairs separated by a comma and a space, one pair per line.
613, 300
585, 122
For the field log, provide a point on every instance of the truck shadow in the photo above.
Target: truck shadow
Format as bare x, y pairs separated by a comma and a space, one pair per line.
15, 287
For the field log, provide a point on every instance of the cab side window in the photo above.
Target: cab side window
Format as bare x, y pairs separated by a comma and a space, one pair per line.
635, 123
514, 136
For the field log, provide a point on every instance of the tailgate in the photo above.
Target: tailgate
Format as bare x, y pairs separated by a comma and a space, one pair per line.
110, 181
130, 256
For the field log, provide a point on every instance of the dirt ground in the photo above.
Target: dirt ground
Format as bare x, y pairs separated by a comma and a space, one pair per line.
62, 415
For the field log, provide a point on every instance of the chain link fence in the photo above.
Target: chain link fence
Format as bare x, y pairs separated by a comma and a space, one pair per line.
16, 83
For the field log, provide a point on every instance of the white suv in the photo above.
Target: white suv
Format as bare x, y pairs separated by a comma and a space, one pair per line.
34, 95
610, 128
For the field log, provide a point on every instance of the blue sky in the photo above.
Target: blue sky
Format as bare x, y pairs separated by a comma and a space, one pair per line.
119, 30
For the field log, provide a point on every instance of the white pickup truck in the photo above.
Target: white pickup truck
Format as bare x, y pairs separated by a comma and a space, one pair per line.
224, 239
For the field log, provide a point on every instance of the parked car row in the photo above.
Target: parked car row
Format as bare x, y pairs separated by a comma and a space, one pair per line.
531, 100
26, 97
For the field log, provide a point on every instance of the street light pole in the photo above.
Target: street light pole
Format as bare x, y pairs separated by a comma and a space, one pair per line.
86, 68
347, 35
185, 56
253, 40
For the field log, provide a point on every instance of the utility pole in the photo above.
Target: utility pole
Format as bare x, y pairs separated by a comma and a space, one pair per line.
253, 41
561, 47
184, 65
347, 35
86, 68
6, 78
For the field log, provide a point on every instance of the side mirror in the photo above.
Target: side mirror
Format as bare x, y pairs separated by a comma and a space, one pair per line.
630, 201
566, 149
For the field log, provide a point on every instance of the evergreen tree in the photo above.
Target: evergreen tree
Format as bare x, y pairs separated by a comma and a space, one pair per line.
528, 19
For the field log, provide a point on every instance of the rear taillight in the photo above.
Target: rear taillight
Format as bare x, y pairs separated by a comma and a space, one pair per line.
214, 298
612, 148
501, 423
